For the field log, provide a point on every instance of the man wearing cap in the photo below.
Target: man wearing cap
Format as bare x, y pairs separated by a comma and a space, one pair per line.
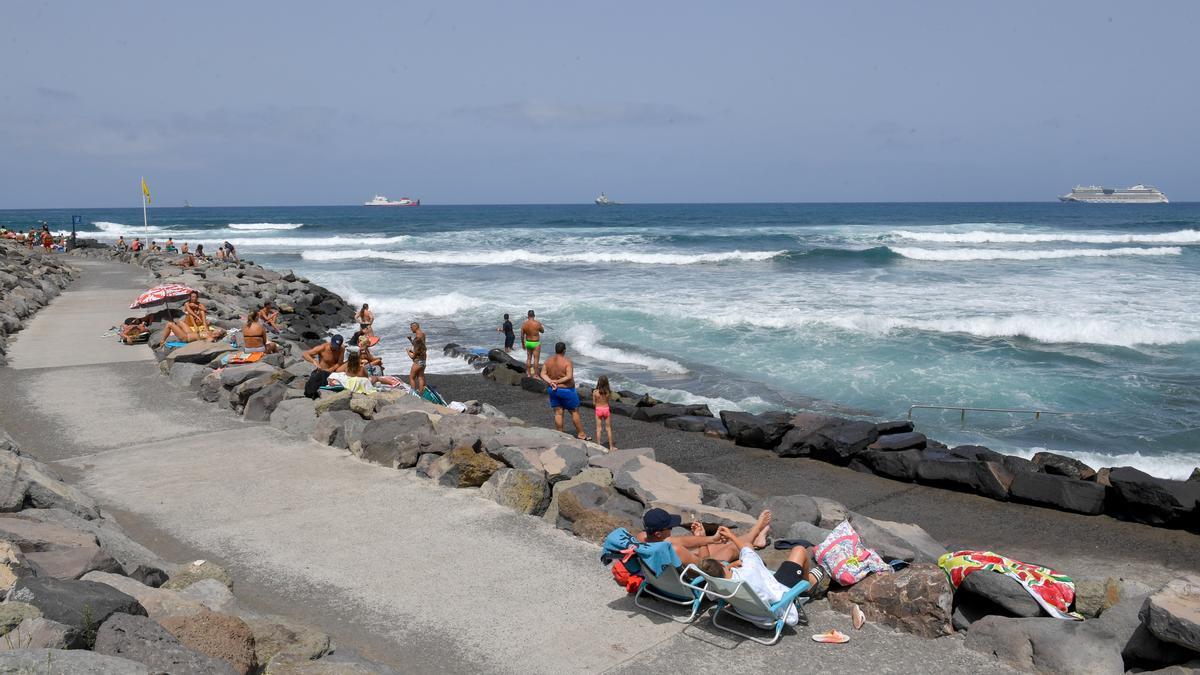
692, 548
328, 357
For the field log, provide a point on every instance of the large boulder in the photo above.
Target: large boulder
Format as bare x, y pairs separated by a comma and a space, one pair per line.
795, 443
463, 467
711, 516
1173, 613
523, 491
592, 511
915, 600
532, 438
159, 603
188, 375
262, 404
196, 571
563, 461
713, 489
1006, 594
909, 440
40, 633
615, 460
897, 541
27, 483
82, 604
232, 376
31, 535
1060, 465
12, 565
330, 401
331, 426
198, 352
648, 480
295, 416
763, 430
137, 560
1047, 645
896, 465
787, 510
666, 411
1095, 595
830, 439
470, 430
1144, 498
13, 614
695, 423
396, 442
72, 563
140, 639
599, 476
990, 479
72, 662
1138, 646
275, 637
219, 636
1059, 492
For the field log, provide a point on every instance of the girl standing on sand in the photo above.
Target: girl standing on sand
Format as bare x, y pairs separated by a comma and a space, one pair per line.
600, 397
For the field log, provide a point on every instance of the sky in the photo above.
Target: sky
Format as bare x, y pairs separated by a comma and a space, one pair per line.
272, 103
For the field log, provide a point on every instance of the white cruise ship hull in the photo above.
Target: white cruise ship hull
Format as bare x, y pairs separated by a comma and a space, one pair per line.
1138, 194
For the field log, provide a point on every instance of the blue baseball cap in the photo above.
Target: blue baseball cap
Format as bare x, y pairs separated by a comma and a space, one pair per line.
337, 340
657, 520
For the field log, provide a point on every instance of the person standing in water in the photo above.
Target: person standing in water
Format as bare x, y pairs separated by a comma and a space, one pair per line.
416, 376
365, 318
559, 373
509, 337
531, 336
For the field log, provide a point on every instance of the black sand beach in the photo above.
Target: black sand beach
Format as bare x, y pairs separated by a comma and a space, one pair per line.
1074, 543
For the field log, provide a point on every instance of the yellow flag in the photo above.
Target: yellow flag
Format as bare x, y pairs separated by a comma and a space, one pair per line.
146, 190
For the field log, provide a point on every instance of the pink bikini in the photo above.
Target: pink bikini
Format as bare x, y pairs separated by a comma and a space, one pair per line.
603, 412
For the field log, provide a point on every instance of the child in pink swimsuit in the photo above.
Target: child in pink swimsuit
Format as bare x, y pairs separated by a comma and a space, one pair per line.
600, 396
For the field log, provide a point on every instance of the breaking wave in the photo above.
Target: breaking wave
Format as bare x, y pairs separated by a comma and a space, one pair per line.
522, 256
1173, 466
986, 237
585, 339
265, 226
116, 229
968, 254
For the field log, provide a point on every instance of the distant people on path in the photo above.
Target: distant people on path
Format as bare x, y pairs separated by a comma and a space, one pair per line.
47, 239
600, 398
121, 245
136, 246
184, 250
559, 373
327, 357
416, 376
170, 247
531, 337
510, 338
230, 253
365, 319
254, 336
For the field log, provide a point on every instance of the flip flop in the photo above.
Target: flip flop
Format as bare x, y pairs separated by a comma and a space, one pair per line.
857, 616
833, 637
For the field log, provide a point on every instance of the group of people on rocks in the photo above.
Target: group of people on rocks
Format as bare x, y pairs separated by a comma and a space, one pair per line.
558, 372
189, 258
355, 367
35, 237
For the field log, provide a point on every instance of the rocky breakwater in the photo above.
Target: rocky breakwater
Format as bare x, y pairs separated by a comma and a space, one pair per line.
231, 289
29, 280
895, 450
81, 596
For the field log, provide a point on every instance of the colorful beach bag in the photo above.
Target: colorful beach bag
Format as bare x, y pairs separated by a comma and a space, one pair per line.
843, 555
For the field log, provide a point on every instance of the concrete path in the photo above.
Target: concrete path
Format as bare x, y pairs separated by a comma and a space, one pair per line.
424, 578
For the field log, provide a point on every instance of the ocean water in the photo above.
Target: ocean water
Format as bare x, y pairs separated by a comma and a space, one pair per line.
859, 308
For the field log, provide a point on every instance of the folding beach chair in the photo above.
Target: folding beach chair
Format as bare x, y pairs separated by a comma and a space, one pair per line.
739, 600
668, 587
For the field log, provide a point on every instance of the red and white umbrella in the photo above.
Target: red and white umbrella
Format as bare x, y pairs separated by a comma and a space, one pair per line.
161, 295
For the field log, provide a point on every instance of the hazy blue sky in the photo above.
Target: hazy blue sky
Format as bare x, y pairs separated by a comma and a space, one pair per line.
247, 103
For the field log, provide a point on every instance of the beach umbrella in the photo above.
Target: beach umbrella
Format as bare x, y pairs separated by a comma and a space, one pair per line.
159, 296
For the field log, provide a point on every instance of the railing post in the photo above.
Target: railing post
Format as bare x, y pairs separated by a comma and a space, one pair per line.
963, 416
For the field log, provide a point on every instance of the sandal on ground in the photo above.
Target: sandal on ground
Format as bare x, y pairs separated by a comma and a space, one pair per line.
833, 637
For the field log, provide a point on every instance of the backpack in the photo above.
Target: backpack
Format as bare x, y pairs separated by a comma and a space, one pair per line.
624, 578
843, 555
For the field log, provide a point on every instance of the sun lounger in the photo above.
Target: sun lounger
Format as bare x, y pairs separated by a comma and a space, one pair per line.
739, 600
668, 587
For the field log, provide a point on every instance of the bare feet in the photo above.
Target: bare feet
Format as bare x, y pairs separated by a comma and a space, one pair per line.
764, 527
760, 542
697, 528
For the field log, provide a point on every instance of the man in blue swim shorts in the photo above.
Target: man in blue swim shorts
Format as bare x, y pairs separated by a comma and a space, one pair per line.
559, 373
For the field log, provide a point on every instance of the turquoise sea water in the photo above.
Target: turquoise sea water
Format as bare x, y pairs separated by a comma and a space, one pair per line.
864, 307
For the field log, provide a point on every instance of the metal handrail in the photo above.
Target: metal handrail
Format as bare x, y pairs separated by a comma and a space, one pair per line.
1037, 414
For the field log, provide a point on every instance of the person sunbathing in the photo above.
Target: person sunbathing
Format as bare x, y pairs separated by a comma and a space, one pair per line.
254, 336
692, 548
767, 585
183, 333
134, 330
195, 314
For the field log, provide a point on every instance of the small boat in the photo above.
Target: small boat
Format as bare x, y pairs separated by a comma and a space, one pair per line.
380, 200
187, 204
603, 200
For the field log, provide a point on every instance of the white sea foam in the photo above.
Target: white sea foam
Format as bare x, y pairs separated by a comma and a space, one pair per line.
1176, 466
585, 339
988, 237
265, 226
446, 304
1048, 329
522, 256
298, 243
714, 403
120, 229
968, 254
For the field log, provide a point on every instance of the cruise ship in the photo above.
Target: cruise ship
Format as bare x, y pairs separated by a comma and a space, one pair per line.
1138, 194
603, 200
380, 200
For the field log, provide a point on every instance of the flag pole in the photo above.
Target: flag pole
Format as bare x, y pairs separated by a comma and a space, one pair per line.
145, 218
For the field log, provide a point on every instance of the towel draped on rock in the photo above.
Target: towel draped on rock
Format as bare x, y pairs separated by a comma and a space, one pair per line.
1052, 590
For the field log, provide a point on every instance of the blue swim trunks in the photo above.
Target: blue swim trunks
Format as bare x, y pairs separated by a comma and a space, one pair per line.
563, 398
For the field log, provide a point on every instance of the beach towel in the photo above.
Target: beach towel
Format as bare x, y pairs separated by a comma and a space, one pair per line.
175, 344
621, 545
1052, 590
843, 555
245, 357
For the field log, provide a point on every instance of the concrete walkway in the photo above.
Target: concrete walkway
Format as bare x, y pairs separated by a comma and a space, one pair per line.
421, 577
